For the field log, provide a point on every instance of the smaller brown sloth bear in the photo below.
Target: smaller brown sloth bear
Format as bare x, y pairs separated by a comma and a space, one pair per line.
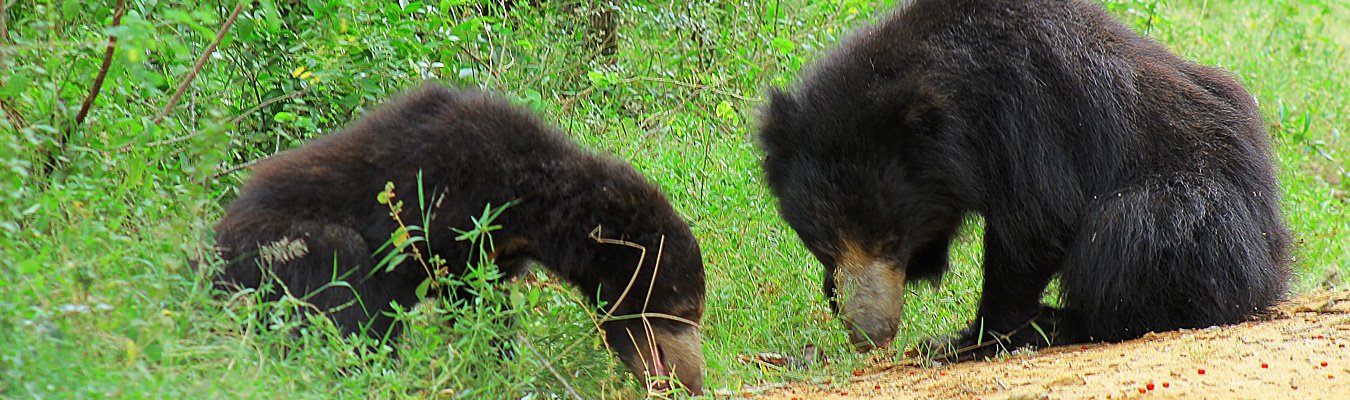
585, 217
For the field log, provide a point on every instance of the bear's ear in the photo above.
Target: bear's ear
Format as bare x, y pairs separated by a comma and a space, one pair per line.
776, 120
781, 106
925, 110
908, 108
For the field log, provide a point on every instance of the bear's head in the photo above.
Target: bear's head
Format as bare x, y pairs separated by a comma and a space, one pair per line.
653, 314
851, 171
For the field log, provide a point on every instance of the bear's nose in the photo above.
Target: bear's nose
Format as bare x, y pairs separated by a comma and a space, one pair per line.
870, 292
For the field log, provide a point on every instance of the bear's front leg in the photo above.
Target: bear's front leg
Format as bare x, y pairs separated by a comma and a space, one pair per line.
1010, 315
978, 341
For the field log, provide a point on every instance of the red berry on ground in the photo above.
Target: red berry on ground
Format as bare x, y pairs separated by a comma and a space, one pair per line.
1324, 363
1149, 386
857, 372
877, 387
1165, 384
1264, 365
1201, 371
1142, 390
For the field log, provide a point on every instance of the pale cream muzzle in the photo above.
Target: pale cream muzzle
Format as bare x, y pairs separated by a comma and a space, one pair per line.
870, 293
678, 354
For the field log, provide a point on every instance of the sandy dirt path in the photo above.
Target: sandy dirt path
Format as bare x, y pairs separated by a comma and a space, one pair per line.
1298, 353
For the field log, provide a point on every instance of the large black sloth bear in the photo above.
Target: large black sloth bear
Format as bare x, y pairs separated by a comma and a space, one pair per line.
471, 150
1144, 181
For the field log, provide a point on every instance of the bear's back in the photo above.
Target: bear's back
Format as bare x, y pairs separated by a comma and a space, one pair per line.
445, 134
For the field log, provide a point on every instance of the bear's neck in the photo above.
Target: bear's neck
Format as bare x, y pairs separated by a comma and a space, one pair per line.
590, 220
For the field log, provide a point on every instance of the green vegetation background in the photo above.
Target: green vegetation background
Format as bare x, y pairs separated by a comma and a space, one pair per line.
97, 300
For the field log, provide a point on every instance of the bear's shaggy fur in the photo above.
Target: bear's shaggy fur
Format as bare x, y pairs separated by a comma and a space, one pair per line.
1144, 181
310, 214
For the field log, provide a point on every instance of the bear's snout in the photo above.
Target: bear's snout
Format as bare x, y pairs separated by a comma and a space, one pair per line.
870, 293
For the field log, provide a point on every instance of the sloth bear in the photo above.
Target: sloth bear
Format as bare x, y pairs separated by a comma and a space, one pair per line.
1143, 180
309, 215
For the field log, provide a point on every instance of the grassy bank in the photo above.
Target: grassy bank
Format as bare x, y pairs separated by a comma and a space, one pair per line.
97, 300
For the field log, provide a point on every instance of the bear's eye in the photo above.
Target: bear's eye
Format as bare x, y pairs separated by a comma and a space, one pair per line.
822, 253
890, 245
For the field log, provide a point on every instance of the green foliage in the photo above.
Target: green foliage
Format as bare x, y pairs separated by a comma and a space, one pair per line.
97, 299
1143, 13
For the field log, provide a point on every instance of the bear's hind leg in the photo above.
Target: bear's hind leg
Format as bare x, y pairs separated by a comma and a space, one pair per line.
1178, 252
329, 266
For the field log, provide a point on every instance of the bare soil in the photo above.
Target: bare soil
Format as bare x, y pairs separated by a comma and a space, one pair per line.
1300, 352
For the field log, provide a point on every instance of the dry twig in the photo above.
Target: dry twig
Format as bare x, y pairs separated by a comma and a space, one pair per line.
201, 61
549, 366
233, 121
53, 153
102, 72
236, 168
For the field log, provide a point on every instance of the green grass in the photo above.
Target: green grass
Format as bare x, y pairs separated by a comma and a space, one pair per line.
97, 300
